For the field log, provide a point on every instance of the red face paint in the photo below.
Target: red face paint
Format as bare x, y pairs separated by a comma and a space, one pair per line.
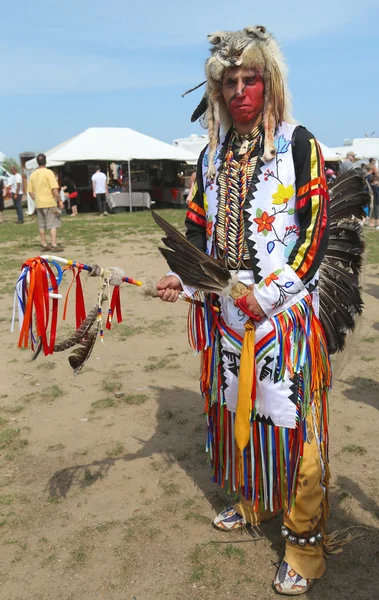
248, 105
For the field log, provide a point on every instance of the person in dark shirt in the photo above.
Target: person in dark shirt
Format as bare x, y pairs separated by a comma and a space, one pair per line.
70, 189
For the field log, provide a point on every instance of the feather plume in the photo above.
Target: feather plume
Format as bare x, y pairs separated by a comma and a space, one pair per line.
80, 355
192, 265
340, 294
79, 334
200, 109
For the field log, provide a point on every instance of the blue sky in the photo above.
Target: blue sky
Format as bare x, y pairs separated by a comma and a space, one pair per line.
75, 64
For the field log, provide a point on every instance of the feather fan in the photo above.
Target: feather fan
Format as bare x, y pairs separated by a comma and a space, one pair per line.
193, 266
340, 293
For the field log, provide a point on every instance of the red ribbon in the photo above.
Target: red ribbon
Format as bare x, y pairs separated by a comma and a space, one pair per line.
115, 304
80, 306
38, 297
241, 303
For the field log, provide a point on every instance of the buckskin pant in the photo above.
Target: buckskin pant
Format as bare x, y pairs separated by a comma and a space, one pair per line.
306, 516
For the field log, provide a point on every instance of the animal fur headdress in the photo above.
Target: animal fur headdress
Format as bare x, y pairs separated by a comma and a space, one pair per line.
251, 47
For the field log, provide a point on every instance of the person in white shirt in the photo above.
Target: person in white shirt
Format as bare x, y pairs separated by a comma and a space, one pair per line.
100, 190
17, 192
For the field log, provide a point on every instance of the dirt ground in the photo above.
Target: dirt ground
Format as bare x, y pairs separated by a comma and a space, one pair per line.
105, 497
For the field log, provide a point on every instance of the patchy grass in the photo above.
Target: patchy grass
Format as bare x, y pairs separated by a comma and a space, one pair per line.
372, 246
13, 409
46, 366
169, 488
10, 440
103, 403
79, 556
53, 392
6, 499
192, 516
117, 450
135, 399
354, 449
236, 553
112, 402
56, 447
156, 363
125, 331
110, 385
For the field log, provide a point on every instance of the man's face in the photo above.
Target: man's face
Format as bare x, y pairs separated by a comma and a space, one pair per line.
13, 170
243, 92
351, 157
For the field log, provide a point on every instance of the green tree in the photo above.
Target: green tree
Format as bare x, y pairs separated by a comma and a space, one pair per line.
9, 163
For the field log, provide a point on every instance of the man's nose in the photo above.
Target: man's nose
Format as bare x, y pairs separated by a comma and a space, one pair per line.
240, 88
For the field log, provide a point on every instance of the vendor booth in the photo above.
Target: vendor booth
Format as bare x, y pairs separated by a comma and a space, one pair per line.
140, 170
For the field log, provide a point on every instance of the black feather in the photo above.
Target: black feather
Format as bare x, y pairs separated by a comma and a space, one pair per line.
193, 266
340, 294
200, 109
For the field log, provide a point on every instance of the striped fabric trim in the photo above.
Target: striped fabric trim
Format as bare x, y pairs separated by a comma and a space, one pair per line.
195, 189
196, 208
315, 192
196, 218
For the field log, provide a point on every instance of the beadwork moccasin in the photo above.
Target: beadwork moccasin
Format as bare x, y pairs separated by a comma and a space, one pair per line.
288, 583
229, 520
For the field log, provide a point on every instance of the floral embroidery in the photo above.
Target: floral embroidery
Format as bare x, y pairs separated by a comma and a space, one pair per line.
282, 145
270, 279
283, 194
209, 228
283, 288
264, 222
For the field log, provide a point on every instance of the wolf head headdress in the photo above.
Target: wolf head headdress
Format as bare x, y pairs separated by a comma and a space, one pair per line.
251, 47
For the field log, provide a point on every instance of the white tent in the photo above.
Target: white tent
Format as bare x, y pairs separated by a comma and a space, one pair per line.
2, 157
196, 143
364, 148
114, 144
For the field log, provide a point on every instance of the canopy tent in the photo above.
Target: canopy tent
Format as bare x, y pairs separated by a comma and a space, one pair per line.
196, 143
363, 148
114, 144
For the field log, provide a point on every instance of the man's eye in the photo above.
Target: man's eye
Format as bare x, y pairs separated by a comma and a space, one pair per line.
250, 81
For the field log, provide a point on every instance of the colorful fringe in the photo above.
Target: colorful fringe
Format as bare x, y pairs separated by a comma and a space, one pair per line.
272, 459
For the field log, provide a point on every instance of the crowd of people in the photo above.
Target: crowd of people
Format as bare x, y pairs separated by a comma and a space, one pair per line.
51, 200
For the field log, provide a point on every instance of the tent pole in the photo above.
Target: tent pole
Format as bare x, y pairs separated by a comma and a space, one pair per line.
130, 188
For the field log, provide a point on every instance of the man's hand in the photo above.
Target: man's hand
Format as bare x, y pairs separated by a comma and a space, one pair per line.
94, 194
169, 288
253, 305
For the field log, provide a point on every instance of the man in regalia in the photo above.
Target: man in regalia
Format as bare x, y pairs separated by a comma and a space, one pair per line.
260, 206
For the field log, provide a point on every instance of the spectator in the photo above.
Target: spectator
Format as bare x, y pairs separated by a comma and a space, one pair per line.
17, 193
374, 182
330, 176
372, 169
100, 190
348, 163
44, 189
1, 201
70, 189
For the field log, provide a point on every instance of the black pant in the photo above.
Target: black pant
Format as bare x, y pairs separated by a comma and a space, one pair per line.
101, 203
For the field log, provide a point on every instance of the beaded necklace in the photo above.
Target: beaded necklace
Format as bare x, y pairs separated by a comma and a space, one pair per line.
234, 181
